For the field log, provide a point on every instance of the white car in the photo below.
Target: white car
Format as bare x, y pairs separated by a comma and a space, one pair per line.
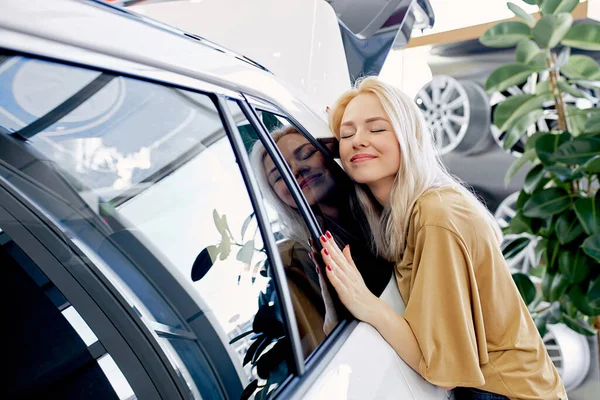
144, 254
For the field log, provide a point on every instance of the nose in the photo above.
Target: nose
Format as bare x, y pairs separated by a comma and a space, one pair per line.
298, 169
360, 139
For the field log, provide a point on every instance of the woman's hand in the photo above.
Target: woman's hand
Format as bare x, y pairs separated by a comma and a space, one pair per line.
330, 320
347, 281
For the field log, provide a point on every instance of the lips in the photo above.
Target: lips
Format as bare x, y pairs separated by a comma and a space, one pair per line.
362, 157
306, 181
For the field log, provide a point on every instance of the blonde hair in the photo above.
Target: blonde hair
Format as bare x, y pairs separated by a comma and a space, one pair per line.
292, 223
421, 170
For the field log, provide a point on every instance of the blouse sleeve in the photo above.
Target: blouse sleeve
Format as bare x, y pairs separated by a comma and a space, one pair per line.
444, 311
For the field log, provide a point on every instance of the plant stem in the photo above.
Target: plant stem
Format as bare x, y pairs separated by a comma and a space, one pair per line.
563, 124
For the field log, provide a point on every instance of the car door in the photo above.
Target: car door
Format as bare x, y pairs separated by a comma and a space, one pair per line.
365, 366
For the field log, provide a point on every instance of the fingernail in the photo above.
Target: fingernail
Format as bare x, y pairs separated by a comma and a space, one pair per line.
328, 267
348, 246
323, 239
326, 252
328, 234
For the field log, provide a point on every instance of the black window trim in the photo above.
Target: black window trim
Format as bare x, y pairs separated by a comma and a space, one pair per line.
21, 226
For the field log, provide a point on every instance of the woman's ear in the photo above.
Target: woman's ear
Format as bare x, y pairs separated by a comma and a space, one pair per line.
332, 145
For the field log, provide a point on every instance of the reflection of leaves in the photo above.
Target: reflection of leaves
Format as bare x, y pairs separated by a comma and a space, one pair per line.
246, 224
219, 223
224, 248
253, 349
204, 262
249, 390
266, 321
271, 359
246, 252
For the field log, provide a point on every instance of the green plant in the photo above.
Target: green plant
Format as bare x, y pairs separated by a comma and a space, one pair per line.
559, 206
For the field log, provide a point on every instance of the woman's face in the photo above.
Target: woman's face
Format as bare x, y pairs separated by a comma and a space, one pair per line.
369, 148
308, 166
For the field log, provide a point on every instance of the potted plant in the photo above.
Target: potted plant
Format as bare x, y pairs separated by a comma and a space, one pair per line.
559, 205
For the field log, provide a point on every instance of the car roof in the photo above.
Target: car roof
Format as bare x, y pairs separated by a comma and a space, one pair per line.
100, 28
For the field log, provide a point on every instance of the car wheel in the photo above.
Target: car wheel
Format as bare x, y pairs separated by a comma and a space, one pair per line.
457, 114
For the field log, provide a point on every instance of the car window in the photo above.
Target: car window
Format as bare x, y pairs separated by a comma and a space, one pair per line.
161, 210
51, 351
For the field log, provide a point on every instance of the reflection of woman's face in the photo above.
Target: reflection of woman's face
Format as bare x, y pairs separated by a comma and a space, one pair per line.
308, 166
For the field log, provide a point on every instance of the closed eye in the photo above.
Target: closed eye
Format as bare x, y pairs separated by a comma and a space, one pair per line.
346, 136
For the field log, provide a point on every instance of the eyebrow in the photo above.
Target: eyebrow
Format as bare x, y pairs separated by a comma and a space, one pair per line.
299, 149
368, 120
271, 171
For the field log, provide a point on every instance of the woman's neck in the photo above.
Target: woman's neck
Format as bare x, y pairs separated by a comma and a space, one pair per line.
381, 190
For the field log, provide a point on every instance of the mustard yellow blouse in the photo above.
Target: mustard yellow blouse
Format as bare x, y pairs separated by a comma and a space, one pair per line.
471, 324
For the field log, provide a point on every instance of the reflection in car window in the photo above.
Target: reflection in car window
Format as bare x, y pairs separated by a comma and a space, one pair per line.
161, 205
52, 352
331, 197
329, 193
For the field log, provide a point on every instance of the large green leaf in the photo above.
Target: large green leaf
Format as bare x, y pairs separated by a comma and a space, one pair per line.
577, 152
550, 29
519, 12
526, 50
514, 246
574, 264
579, 298
518, 164
532, 139
533, 178
520, 128
588, 212
546, 145
582, 67
553, 248
510, 110
568, 228
520, 224
591, 246
505, 34
576, 120
593, 294
578, 325
593, 124
562, 173
554, 286
593, 166
547, 202
525, 286
584, 37
564, 87
507, 76
558, 6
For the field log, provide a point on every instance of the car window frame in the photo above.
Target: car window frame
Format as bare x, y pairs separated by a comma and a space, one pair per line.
93, 301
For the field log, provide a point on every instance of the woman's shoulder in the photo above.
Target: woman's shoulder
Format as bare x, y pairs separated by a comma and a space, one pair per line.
448, 208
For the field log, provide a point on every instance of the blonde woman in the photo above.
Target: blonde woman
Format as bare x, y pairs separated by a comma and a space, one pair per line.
465, 325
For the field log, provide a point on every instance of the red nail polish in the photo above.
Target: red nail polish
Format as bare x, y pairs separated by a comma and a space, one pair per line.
323, 239
326, 252
328, 234
328, 267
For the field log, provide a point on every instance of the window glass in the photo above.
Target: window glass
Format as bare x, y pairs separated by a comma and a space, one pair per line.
162, 210
49, 353
331, 197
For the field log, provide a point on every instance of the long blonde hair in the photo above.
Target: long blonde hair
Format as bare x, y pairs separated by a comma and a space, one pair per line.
421, 170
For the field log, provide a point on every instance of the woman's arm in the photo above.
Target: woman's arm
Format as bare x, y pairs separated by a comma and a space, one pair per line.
365, 306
